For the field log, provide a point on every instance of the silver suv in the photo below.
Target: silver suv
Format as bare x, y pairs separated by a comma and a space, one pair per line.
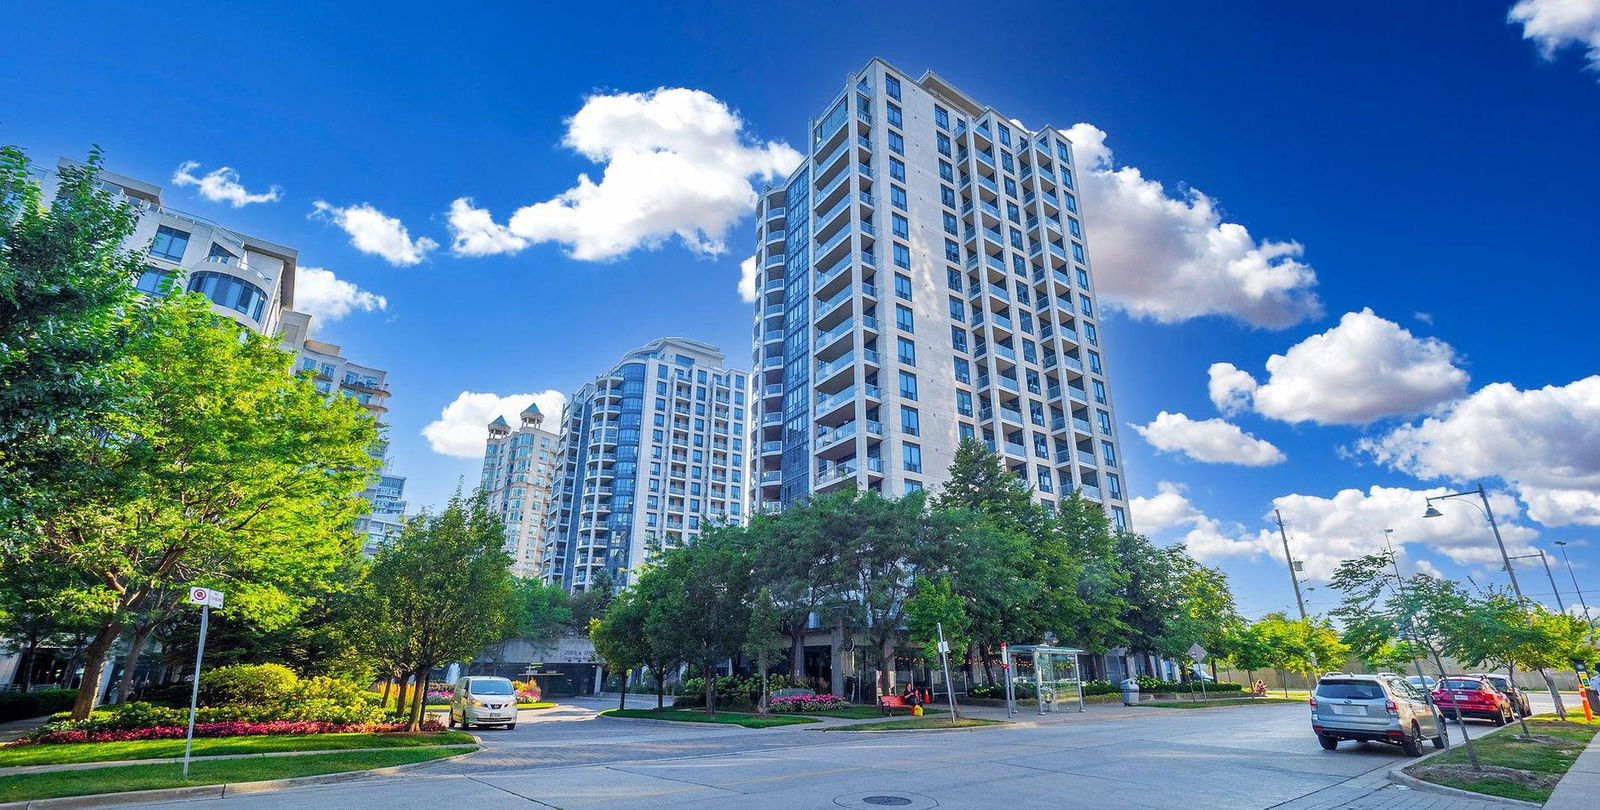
1373, 708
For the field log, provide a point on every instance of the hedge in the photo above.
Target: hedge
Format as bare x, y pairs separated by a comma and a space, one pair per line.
38, 703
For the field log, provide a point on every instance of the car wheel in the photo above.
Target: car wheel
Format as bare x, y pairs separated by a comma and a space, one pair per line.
1328, 743
1412, 744
464, 724
1439, 741
450, 720
1500, 719
511, 726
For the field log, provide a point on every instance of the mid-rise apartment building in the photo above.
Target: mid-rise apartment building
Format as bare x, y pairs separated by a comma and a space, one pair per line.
519, 466
652, 453
924, 278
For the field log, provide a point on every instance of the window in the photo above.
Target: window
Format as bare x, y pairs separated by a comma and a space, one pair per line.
947, 173
1066, 177
1099, 391
950, 225
900, 226
911, 457
1044, 480
912, 486
1013, 213
897, 169
894, 115
1114, 485
952, 251
963, 403
1108, 453
902, 256
908, 385
953, 279
941, 117
966, 431
897, 143
903, 318
150, 281
1005, 134
910, 423
1091, 335
1119, 517
943, 142
902, 286
1074, 228
1094, 362
1006, 162
897, 197
907, 351
1086, 305
957, 311
169, 244
963, 371
947, 195
958, 337
1105, 421
1083, 278
1077, 253
891, 86
227, 291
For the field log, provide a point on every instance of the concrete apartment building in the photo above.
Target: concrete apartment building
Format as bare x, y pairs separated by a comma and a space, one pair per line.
519, 468
924, 277
652, 452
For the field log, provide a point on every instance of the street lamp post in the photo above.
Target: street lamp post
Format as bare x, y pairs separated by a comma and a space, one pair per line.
1562, 544
1488, 511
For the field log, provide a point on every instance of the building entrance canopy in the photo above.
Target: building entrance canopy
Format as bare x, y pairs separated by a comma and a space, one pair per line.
1053, 672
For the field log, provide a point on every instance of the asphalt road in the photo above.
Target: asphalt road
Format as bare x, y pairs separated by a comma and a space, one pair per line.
1239, 757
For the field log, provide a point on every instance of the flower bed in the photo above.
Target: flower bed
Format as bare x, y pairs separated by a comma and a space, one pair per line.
808, 703
223, 729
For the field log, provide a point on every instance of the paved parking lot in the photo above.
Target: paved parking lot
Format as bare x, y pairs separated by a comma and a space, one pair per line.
1241, 757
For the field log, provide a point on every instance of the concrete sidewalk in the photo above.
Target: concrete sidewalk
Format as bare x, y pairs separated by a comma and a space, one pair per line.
1580, 788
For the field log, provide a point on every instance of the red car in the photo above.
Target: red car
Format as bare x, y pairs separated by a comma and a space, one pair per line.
1474, 697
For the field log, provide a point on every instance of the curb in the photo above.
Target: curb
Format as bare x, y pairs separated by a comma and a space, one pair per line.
215, 791
691, 724
24, 770
1398, 777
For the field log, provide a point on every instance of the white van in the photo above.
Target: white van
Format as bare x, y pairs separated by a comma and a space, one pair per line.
483, 701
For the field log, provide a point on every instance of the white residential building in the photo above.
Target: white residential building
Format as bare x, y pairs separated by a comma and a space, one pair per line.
652, 453
519, 468
924, 277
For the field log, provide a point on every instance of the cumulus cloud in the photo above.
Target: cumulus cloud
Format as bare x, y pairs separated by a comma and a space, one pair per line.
1363, 369
747, 280
1544, 442
222, 185
1206, 538
1172, 258
677, 163
1325, 531
327, 297
1212, 441
1557, 24
463, 426
372, 231
477, 234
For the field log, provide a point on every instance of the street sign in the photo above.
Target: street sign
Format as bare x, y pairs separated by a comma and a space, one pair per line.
205, 596
944, 647
1198, 653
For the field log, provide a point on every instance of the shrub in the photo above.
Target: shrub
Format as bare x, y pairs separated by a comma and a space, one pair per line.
808, 703
527, 691
23, 705
232, 728
248, 685
731, 690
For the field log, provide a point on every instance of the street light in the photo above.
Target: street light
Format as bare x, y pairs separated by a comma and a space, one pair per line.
1561, 606
1488, 511
1562, 544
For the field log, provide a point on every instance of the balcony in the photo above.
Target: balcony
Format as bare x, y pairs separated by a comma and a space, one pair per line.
770, 449
1082, 426
1087, 457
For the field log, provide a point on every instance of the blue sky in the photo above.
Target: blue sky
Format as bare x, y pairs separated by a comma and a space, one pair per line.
1437, 168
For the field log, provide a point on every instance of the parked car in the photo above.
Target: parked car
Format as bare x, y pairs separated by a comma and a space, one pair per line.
1517, 695
1422, 683
1473, 697
483, 701
1373, 708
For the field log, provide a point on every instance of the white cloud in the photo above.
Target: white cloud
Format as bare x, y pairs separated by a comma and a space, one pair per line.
747, 280
1326, 531
677, 163
1544, 442
1212, 441
372, 231
328, 298
463, 425
1556, 24
1363, 369
477, 234
1207, 538
1170, 259
222, 185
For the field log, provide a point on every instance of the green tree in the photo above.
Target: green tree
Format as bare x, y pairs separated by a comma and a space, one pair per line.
700, 602
443, 590
231, 473
934, 603
540, 612
619, 640
764, 639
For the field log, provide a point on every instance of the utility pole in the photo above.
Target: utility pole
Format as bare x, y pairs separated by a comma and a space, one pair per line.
1289, 559
1562, 544
1561, 606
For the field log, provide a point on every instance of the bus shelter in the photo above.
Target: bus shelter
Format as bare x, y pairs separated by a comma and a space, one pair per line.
1053, 672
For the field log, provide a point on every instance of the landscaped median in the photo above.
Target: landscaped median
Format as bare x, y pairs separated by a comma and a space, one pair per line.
744, 719
1513, 766
12, 756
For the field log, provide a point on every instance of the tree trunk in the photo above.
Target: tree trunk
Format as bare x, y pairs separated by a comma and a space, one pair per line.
141, 636
661, 690
886, 664
1472, 753
797, 654
1511, 677
988, 668
388, 684
1555, 694
761, 663
400, 696
622, 703
711, 690
25, 664
419, 697
94, 660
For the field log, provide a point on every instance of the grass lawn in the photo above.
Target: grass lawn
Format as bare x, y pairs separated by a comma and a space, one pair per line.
698, 716
14, 755
540, 705
914, 723
117, 779
1518, 768
866, 712
1206, 704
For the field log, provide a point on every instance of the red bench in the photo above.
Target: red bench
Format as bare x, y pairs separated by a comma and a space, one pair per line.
888, 703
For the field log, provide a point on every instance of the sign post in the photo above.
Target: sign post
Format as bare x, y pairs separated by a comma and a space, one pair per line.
1198, 653
207, 599
944, 659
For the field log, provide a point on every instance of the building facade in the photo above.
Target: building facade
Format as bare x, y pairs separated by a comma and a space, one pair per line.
519, 467
924, 278
652, 453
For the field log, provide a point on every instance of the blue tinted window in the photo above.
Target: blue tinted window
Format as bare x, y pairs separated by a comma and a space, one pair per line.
227, 291
169, 244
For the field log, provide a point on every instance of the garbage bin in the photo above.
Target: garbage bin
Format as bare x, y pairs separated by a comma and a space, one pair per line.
1130, 692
